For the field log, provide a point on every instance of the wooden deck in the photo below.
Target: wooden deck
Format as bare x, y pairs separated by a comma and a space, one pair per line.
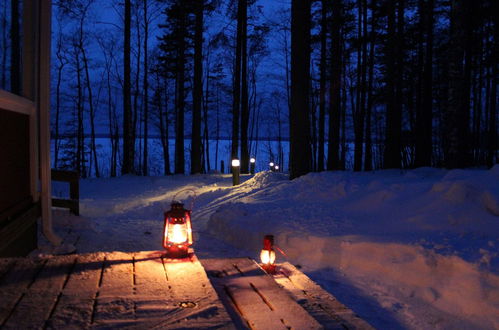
108, 290
145, 290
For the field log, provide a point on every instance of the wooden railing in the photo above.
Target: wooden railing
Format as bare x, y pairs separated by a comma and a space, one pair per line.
73, 203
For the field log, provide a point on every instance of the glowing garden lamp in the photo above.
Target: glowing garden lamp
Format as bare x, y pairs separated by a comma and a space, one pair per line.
177, 231
267, 255
271, 164
276, 168
235, 171
252, 165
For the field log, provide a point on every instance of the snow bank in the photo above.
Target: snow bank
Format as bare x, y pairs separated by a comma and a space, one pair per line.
427, 237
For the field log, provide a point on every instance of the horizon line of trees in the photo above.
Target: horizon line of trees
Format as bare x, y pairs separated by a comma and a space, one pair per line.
411, 82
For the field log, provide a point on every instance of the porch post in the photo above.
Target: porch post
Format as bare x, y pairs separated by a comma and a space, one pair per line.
44, 14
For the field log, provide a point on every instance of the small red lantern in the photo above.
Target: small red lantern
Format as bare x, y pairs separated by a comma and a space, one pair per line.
267, 255
177, 233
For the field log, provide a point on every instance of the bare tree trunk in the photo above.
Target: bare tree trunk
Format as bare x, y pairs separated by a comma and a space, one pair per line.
206, 127
163, 122
180, 97
333, 159
322, 88
80, 145
257, 129
392, 155
244, 90
217, 126
424, 119
236, 102
368, 161
60, 68
128, 143
456, 120
145, 165
361, 85
299, 120
90, 101
197, 95
136, 93
113, 130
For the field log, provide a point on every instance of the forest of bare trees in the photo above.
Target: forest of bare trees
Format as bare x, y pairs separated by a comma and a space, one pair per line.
318, 85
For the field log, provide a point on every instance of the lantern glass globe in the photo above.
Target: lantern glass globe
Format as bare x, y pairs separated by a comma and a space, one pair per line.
271, 164
277, 167
236, 163
252, 160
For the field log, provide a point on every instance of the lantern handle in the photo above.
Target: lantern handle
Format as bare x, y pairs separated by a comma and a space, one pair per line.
281, 251
181, 191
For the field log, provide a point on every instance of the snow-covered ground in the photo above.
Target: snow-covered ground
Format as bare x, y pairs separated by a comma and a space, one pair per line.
404, 249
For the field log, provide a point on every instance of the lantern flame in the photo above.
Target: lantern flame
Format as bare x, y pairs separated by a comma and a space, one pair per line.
177, 233
267, 257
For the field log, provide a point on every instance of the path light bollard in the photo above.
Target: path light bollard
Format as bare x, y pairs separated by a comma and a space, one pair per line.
276, 168
252, 165
271, 165
235, 171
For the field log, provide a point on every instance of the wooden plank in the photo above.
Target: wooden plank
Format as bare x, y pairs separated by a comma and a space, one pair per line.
257, 297
319, 303
153, 296
115, 301
117, 279
196, 302
15, 283
187, 278
76, 305
150, 276
216, 269
37, 304
254, 309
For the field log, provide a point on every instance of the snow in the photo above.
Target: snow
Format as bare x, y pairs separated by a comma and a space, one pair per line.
403, 249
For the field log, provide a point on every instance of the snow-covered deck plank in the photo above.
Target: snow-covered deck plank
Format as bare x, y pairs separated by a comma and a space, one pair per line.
14, 284
261, 303
77, 302
37, 304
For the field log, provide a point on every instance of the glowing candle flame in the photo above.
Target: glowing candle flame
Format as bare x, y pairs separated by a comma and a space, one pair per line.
267, 257
177, 233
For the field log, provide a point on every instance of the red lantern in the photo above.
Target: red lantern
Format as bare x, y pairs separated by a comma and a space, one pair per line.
267, 255
177, 233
